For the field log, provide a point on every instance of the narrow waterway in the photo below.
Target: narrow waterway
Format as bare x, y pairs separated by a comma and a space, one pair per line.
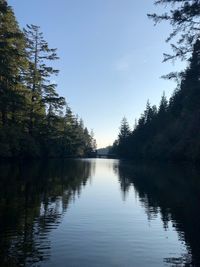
99, 212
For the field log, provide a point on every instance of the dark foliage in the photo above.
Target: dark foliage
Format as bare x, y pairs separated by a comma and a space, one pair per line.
170, 132
32, 121
184, 17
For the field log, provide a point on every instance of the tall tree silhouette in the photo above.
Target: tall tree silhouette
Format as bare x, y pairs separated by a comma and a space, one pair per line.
32, 123
40, 74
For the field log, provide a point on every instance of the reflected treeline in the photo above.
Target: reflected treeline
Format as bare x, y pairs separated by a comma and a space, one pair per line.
174, 193
33, 198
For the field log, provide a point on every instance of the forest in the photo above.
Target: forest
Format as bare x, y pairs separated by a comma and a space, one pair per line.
34, 120
171, 130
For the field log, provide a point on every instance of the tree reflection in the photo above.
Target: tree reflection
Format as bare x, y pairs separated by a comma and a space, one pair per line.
33, 199
174, 193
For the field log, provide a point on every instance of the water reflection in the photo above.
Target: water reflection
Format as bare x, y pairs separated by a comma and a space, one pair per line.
100, 229
33, 199
172, 192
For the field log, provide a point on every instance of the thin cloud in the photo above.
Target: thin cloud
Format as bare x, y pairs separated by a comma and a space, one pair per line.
124, 63
127, 62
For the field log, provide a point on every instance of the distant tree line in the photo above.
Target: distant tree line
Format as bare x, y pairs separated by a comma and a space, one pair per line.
34, 120
171, 131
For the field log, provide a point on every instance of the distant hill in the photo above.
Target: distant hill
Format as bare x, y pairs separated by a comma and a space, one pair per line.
103, 151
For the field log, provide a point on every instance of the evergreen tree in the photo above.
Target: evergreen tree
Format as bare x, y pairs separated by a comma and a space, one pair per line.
124, 129
123, 137
172, 131
31, 111
149, 113
184, 16
39, 76
163, 106
12, 64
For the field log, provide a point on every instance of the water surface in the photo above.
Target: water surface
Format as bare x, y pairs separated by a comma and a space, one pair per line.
99, 212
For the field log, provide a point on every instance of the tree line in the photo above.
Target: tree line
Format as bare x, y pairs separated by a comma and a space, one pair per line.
171, 130
34, 120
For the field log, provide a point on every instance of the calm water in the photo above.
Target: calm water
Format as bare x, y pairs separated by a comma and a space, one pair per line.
99, 212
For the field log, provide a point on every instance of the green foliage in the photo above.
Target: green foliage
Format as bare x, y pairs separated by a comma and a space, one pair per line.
32, 123
12, 63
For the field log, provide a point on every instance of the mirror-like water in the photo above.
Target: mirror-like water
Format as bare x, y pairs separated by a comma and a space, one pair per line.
99, 212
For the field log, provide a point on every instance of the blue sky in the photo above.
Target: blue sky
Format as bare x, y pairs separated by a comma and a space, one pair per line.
110, 57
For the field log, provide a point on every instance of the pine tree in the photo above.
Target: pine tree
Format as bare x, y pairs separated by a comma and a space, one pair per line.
124, 131
31, 111
163, 105
149, 113
39, 76
12, 65
184, 16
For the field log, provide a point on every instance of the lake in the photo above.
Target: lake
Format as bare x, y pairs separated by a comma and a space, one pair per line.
99, 212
